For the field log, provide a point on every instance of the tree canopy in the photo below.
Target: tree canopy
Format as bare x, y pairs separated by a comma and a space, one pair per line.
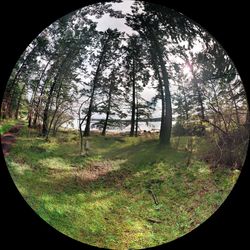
74, 70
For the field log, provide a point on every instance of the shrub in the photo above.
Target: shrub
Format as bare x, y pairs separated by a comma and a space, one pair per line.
227, 149
180, 129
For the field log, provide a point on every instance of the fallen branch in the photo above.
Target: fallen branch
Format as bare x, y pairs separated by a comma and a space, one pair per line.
154, 196
153, 220
215, 126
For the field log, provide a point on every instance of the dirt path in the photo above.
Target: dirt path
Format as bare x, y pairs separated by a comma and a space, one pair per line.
8, 138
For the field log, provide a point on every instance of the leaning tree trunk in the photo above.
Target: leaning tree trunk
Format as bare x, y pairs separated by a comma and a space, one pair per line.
108, 109
46, 110
32, 102
50, 95
105, 123
91, 102
12, 90
55, 112
166, 125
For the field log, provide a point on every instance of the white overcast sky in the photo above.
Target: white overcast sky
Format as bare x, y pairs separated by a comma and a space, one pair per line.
110, 22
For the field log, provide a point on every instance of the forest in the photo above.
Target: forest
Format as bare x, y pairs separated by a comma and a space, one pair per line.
83, 161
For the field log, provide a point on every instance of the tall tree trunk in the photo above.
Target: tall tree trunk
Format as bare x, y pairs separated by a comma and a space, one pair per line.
36, 109
56, 109
163, 130
200, 101
185, 103
105, 123
12, 90
218, 110
46, 109
32, 101
132, 126
19, 101
166, 125
198, 92
234, 104
70, 54
48, 102
108, 108
166, 139
247, 121
157, 52
137, 118
95, 81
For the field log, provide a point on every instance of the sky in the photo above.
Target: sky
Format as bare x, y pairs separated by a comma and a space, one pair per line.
110, 22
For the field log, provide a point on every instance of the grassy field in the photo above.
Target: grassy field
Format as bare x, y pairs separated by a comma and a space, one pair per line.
106, 199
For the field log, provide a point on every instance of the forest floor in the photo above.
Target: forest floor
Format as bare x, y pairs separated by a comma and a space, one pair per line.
127, 193
8, 136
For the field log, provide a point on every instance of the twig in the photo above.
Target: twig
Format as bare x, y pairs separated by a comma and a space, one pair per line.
153, 220
154, 196
190, 149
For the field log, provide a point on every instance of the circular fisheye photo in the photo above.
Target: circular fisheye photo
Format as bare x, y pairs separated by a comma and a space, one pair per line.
124, 125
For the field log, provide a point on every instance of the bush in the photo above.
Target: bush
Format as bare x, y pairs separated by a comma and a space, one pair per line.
179, 130
188, 129
195, 130
226, 149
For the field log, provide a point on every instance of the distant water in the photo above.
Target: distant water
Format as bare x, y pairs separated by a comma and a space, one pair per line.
151, 126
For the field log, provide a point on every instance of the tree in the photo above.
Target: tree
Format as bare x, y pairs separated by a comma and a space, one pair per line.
137, 75
25, 67
159, 27
70, 49
101, 61
111, 106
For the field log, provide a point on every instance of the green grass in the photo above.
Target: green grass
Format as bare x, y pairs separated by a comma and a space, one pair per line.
5, 125
115, 210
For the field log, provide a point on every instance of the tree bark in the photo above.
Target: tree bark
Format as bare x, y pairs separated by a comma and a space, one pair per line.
11, 93
95, 81
235, 104
50, 95
137, 118
108, 108
56, 109
163, 99
46, 109
19, 101
31, 109
166, 125
132, 127
198, 91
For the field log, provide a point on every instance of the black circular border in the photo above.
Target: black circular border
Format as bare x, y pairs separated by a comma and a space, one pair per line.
22, 21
